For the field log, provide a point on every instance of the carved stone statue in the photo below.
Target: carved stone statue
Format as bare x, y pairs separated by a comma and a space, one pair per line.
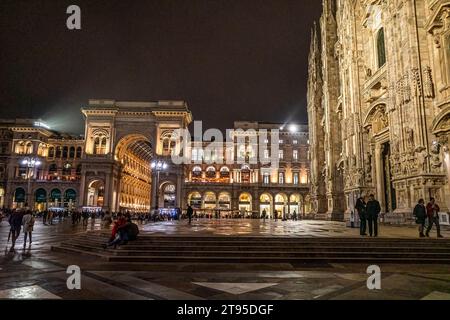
410, 137
325, 170
368, 167
422, 156
396, 145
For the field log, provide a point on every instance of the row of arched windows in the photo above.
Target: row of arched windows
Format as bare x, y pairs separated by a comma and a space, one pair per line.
24, 147
65, 152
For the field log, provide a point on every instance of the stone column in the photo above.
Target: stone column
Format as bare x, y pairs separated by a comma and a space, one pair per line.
446, 152
153, 200
380, 175
178, 202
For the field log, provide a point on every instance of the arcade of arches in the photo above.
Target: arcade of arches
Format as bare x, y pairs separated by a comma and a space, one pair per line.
249, 205
135, 154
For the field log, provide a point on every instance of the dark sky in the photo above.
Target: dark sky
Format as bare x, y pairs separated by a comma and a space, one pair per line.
230, 60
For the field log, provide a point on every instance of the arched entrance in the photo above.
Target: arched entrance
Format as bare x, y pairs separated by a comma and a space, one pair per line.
96, 193
55, 199
195, 200
281, 205
70, 199
295, 204
265, 204
19, 198
224, 201
40, 199
169, 195
134, 152
209, 200
245, 203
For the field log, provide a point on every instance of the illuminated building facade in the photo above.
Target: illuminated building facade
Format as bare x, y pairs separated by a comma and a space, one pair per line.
38, 166
250, 189
110, 167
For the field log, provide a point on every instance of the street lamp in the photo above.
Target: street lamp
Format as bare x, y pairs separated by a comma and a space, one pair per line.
30, 163
158, 166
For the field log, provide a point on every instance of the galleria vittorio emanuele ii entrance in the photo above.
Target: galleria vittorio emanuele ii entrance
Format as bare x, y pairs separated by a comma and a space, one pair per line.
122, 141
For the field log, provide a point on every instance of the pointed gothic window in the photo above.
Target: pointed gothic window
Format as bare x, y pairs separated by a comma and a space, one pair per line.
381, 48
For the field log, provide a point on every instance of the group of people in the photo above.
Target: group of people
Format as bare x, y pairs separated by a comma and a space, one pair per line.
21, 220
369, 212
368, 215
123, 230
429, 214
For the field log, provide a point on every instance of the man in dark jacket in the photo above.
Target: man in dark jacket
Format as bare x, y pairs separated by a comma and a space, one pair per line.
190, 213
373, 209
360, 206
15, 222
433, 217
420, 214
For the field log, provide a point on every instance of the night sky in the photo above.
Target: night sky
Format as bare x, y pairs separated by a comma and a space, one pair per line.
230, 60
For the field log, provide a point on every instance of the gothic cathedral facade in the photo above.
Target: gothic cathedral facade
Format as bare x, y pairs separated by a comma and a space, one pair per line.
379, 106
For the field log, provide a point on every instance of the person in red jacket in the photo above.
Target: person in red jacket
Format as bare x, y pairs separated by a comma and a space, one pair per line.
433, 217
119, 222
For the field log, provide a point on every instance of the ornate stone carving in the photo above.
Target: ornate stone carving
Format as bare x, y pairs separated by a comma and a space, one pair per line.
436, 162
428, 87
406, 88
410, 138
422, 156
415, 77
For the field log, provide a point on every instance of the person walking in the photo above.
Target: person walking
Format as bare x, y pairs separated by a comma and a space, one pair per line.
15, 221
44, 217
28, 225
50, 218
420, 213
190, 213
264, 214
85, 218
360, 206
373, 209
433, 217
294, 215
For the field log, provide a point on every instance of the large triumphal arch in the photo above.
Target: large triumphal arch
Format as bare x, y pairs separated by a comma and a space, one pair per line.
122, 139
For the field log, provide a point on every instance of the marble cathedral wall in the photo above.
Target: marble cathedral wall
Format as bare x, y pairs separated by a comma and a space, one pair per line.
381, 105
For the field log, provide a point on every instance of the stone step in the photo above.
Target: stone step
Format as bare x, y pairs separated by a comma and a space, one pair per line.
249, 259
149, 248
135, 247
263, 252
284, 241
139, 245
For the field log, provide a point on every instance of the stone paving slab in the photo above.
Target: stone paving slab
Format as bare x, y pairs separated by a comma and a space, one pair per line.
40, 273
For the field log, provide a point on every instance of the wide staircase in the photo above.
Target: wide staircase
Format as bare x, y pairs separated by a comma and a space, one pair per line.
242, 249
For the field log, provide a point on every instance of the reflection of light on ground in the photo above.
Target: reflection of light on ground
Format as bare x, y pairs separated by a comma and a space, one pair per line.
29, 292
270, 228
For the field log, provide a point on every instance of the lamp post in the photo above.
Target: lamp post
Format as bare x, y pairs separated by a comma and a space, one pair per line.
31, 163
158, 166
